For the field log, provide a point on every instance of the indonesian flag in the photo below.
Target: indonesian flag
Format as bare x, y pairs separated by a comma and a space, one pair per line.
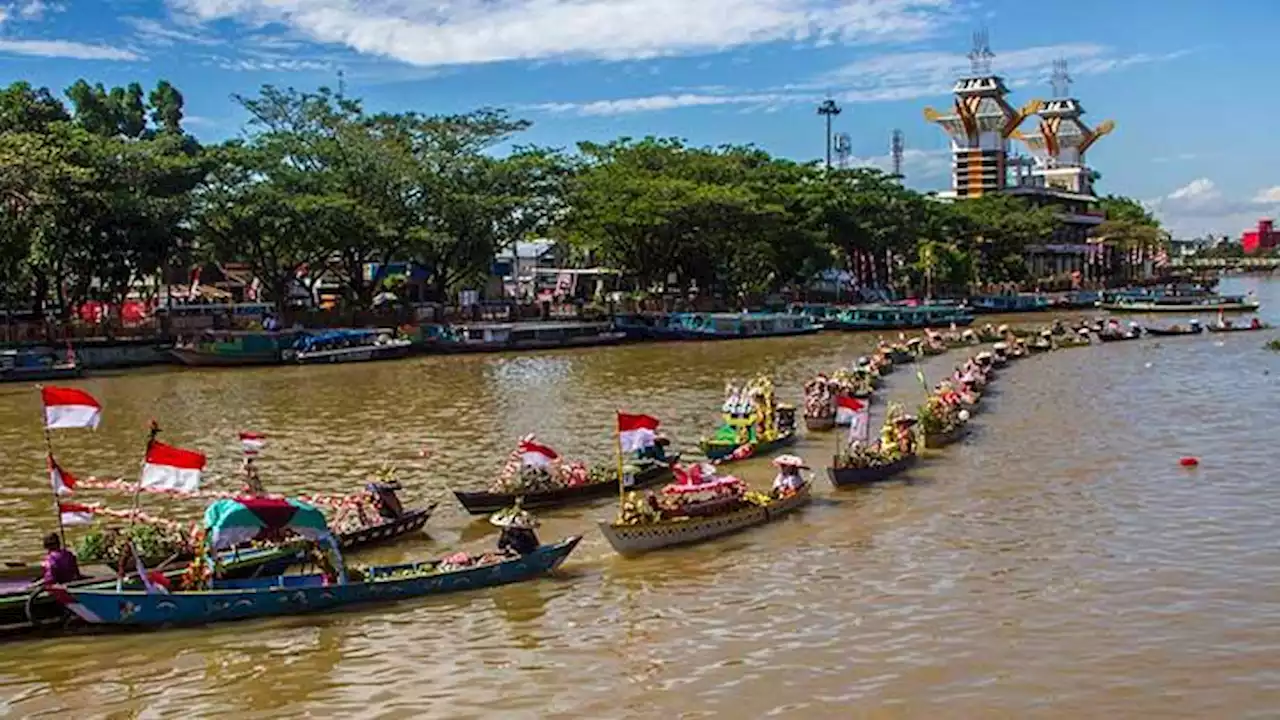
534, 455
63, 482
171, 468
69, 408
847, 407
75, 514
252, 442
636, 432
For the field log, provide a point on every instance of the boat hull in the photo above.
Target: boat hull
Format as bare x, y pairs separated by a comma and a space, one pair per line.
632, 540
720, 451
449, 348
937, 441
1242, 328
1163, 332
41, 374
411, 521
199, 358
351, 355
1191, 308
1118, 338
484, 503
285, 597
819, 423
849, 477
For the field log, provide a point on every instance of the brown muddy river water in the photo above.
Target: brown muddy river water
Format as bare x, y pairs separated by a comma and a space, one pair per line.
1059, 563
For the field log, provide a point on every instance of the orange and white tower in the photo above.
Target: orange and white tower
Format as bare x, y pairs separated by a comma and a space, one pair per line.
980, 125
1061, 139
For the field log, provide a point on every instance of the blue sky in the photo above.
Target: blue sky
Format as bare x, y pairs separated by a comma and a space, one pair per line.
1189, 83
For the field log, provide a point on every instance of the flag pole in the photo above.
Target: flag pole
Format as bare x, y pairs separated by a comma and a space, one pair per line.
137, 489
49, 462
617, 442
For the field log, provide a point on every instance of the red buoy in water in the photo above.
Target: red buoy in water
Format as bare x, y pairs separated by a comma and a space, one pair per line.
1188, 462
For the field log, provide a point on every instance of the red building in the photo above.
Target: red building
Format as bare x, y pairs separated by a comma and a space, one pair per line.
1260, 241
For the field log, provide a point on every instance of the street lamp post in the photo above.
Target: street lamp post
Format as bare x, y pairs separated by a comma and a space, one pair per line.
828, 109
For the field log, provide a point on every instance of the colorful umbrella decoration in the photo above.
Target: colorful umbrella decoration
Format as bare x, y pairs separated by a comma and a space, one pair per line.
231, 522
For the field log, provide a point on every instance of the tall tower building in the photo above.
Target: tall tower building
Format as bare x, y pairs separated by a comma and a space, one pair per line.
1061, 139
979, 125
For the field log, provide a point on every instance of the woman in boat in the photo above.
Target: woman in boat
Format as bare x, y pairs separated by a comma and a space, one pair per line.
518, 537
252, 483
789, 480
657, 451
60, 565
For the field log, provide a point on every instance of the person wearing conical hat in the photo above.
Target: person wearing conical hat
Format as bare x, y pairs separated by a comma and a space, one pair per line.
789, 479
518, 537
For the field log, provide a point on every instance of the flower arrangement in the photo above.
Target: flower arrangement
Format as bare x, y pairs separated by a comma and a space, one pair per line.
938, 416
154, 543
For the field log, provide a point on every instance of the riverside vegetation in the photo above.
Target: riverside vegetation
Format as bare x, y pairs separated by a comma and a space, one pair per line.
108, 188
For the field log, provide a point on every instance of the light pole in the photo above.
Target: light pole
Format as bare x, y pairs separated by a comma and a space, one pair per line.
828, 109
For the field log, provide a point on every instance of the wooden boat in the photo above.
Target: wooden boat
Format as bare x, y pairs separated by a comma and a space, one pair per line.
484, 502
24, 608
347, 345
35, 366
1036, 347
932, 350
901, 357
1005, 304
1113, 337
722, 451
631, 540
819, 423
501, 337
389, 529
1174, 330
936, 441
1185, 305
847, 477
298, 594
233, 348
897, 317
1214, 328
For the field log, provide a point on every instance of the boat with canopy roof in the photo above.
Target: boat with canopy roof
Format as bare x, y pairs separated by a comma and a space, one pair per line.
204, 599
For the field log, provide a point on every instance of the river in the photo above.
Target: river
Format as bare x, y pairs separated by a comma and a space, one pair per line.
1059, 563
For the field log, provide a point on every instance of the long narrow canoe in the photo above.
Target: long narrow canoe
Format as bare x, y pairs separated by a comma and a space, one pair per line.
1241, 306
1237, 328
848, 477
1170, 332
483, 503
298, 594
630, 540
935, 441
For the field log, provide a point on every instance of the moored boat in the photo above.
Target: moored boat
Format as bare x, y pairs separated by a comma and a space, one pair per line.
501, 337
226, 348
37, 366
347, 345
1184, 305
897, 317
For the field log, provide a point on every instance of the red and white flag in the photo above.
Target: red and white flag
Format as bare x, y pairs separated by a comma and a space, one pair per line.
171, 468
848, 407
63, 482
252, 442
69, 408
534, 455
636, 432
75, 514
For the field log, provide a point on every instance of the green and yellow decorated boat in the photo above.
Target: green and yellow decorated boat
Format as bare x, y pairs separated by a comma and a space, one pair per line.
753, 423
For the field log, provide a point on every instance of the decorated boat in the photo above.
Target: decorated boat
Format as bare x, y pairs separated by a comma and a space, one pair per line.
535, 475
1081, 338
860, 463
942, 419
753, 423
202, 599
1000, 355
348, 345
1226, 326
698, 506
820, 403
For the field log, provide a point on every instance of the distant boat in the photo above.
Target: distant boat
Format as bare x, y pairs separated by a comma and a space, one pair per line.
36, 365
714, 326
499, 337
234, 348
348, 345
1001, 304
898, 317
1184, 304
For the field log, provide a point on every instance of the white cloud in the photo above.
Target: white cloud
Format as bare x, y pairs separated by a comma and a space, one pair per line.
155, 32
916, 164
272, 64
1200, 207
484, 31
30, 9
66, 49
883, 78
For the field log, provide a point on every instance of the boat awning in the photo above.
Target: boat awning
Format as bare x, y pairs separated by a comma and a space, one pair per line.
231, 522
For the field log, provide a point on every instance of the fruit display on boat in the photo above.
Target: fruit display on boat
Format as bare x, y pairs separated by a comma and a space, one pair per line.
897, 440
532, 467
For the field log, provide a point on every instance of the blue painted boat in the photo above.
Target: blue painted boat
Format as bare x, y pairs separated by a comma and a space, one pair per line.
715, 449
1002, 304
714, 326
895, 317
298, 594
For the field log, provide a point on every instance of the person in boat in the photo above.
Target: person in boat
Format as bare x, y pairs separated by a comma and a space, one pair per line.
904, 435
518, 536
789, 479
1195, 325
1255, 323
60, 564
252, 483
657, 451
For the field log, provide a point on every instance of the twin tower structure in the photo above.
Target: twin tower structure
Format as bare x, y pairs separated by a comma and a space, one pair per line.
982, 123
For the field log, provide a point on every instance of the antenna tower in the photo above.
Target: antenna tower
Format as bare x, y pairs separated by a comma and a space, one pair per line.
1061, 79
896, 148
980, 56
828, 110
843, 149
342, 83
